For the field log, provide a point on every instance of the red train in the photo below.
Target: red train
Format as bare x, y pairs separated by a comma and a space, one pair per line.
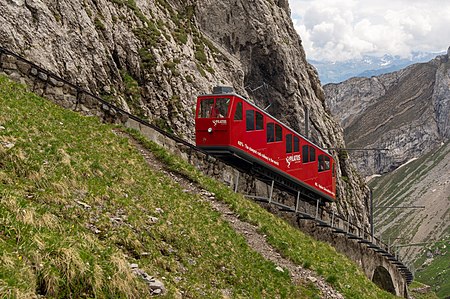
229, 126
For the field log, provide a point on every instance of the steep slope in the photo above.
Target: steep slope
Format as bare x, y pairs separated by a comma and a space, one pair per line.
74, 226
421, 183
153, 58
407, 112
435, 271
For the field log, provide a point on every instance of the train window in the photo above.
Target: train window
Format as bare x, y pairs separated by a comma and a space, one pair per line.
327, 163
278, 133
238, 113
309, 154
254, 120
312, 154
321, 165
259, 121
270, 132
211, 109
324, 163
296, 144
289, 143
221, 107
274, 132
250, 120
305, 154
206, 106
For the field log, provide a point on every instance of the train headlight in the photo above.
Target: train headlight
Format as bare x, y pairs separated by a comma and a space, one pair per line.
209, 130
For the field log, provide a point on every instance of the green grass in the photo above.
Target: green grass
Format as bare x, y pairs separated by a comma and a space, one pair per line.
60, 162
396, 188
340, 272
76, 207
437, 273
414, 286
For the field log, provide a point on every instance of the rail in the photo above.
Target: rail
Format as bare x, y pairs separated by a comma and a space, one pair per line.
321, 216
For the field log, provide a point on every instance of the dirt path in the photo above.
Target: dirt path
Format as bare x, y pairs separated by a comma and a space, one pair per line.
254, 239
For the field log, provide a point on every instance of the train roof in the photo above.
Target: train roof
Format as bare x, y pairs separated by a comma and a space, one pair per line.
228, 91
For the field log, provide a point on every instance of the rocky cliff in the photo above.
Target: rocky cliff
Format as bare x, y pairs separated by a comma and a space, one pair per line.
406, 112
154, 57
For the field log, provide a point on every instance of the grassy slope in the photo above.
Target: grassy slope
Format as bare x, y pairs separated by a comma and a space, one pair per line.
437, 273
53, 163
399, 183
418, 295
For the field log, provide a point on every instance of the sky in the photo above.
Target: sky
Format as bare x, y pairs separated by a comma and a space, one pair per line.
347, 29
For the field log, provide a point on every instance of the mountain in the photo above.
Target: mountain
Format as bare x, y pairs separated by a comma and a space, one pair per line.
367, 66
422, 234
154, 57
401, 121
405, 114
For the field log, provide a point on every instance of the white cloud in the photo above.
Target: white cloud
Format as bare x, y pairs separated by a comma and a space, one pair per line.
346, 29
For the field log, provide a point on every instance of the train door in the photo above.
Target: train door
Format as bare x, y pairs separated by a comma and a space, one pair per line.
212, 121
293, 160
325, 174
237, 120
309, 161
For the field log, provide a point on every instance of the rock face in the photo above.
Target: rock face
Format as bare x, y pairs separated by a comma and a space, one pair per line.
154, 57
407, 112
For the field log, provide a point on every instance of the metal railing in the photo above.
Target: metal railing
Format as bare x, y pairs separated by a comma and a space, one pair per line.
338, 224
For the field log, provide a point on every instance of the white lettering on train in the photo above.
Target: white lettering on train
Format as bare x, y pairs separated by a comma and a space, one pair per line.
324, 188
255, 152
293, 158
219, 121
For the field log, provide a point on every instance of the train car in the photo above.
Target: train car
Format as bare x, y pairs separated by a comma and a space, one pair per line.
229, 126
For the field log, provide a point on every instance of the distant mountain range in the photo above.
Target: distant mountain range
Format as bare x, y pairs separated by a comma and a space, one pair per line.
367, 66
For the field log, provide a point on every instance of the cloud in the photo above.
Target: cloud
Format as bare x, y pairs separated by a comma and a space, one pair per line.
347, 29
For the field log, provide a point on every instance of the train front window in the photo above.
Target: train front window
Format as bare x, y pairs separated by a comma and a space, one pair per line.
324, 163
222, 107
206, 106
238, 113
214, 109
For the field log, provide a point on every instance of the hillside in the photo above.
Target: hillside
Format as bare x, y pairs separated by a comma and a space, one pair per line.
406, 112
420, 183
84, 215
